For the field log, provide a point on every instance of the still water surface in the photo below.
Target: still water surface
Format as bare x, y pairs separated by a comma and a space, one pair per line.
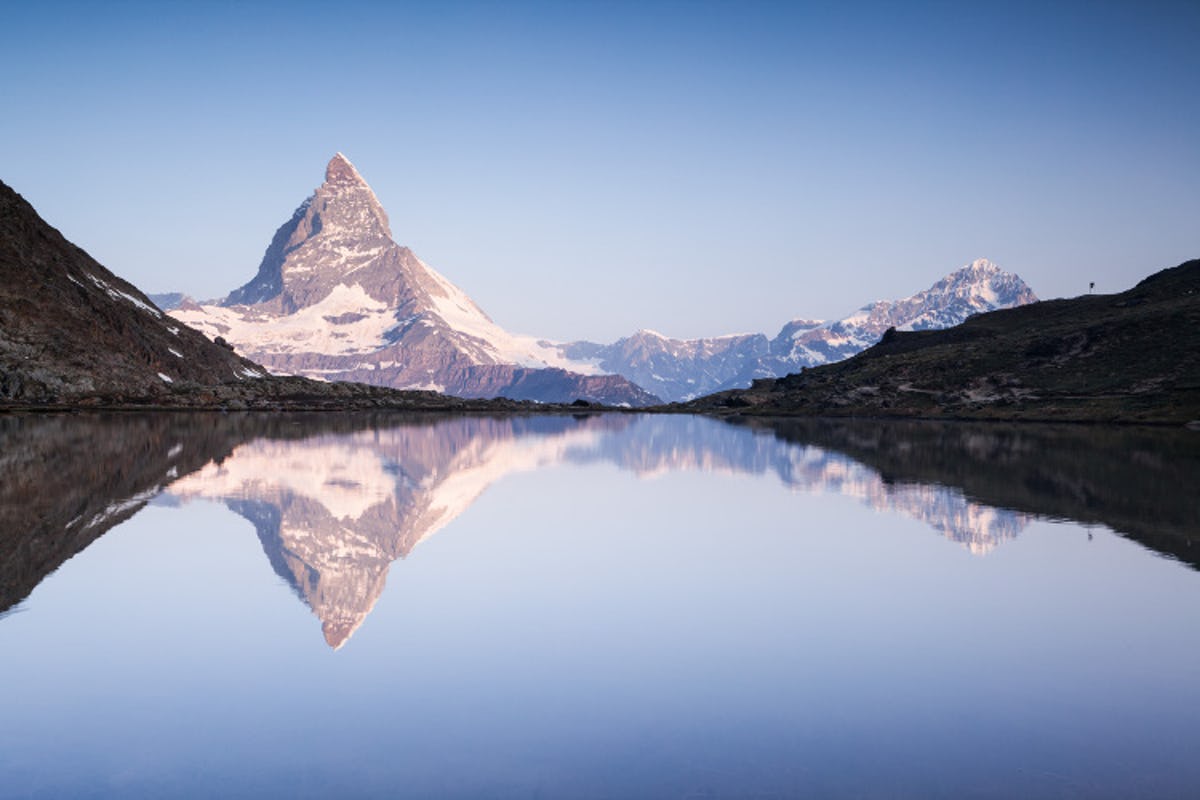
595, 607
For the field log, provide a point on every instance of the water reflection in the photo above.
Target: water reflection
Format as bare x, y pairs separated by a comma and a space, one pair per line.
336, 500
1139, 482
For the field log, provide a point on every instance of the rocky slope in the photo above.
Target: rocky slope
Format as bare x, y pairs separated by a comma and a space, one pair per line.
71, 329
336, 298
681, 369
1128, 357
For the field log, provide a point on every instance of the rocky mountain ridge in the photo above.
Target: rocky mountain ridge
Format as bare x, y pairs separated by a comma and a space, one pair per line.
681, 369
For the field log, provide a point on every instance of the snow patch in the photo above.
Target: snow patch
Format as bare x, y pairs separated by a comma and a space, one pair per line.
117, 294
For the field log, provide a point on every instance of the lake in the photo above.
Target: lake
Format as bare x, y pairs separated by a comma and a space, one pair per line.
597, 606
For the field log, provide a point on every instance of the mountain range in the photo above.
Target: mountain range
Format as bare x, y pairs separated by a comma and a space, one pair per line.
681, 369
336, 298
1131, 357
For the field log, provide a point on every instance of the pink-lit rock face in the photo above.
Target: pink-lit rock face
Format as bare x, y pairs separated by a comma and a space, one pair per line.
340, 170
336, 298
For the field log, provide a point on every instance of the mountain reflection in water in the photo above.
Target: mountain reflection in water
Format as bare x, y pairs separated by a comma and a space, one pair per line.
336, 499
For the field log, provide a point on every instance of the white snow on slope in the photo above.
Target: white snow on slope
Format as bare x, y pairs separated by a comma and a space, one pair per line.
117, 294
309, 330
345, 479
461, 314
306, 331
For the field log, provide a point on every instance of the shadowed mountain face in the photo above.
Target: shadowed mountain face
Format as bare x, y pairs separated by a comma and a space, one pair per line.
336, 500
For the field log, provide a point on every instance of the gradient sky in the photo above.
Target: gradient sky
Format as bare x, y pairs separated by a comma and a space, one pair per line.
583, 170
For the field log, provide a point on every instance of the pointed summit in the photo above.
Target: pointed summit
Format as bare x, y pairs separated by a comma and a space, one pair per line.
335, 296
340, 170
339, 229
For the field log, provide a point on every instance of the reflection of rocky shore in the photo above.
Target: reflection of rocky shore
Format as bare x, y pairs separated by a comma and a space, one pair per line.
1140, 482
67, 479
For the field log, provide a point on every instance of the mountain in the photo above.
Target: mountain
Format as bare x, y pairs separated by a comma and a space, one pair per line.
681, 369
336, 298
70, 329
1128, 357
73, 334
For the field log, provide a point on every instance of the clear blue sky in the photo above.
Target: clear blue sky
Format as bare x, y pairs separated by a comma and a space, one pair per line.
584, 170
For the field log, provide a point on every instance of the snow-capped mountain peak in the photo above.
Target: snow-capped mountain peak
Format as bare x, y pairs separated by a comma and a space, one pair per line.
335, 297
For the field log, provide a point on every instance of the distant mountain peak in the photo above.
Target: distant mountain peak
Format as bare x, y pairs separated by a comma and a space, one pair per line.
680, 369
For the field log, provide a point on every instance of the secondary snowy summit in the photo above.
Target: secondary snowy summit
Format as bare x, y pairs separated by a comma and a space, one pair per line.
680, 369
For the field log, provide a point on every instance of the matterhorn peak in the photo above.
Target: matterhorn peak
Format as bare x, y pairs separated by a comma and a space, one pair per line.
340, 170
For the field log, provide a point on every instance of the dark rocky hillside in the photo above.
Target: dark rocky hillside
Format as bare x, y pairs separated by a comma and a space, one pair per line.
1128, 357
69, 328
